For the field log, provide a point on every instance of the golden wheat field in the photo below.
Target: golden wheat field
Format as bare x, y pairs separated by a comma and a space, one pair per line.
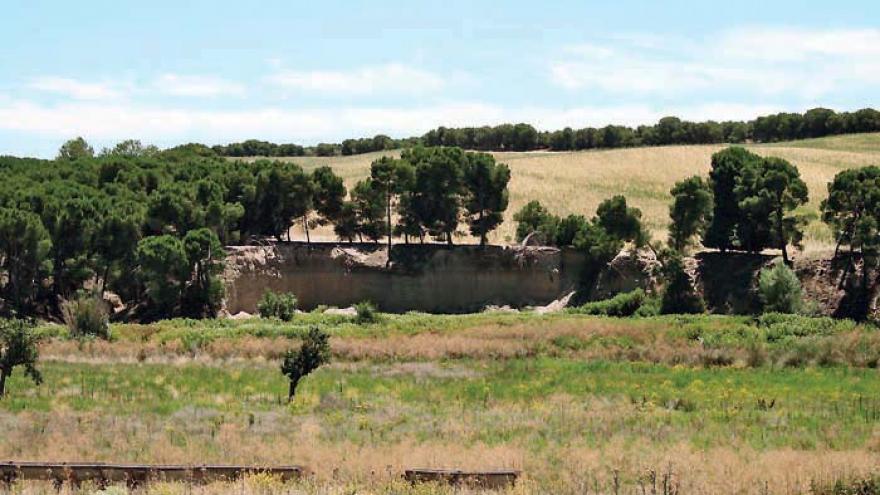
576, 182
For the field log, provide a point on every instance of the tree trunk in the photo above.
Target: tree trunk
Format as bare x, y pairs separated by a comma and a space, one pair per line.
482, 230
104, 279
783, 245
291, 390
2, 383
388, 226
306, 228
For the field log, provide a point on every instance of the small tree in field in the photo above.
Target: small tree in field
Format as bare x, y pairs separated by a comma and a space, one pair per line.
312, 354
18, 347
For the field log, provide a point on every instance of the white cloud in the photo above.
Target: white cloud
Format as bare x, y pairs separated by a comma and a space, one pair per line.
805, 63
110, 122
793, 44
75, 89
197, 86
389, 78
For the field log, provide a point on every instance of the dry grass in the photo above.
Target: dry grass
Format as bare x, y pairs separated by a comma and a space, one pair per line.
654, 340
635, 469
577, 182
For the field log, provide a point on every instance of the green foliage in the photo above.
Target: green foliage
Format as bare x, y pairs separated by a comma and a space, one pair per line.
780, 289
369, 206
620, 221
205, 256
313, 353
277, 305
164, 270
329, 195
87, 316
438, 189
852, 210
650, 307
568, 228
283, 193
391, 178
486, 196
346, 226
366, 313
727, 167
690, 212
18, 347
621, 305
602, 239
754, 198
679, 294
24, 258
131, 148
75, 149
534, 219
767, 193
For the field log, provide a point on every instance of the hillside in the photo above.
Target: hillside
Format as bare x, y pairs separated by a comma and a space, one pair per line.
575, 182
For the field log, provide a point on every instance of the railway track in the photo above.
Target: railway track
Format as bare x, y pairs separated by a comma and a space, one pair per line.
133, 475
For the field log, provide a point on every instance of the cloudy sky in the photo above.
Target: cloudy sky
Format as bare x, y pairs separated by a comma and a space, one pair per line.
216, 71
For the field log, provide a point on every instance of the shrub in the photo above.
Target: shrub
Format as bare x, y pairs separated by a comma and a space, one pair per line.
679, 295
650, 307
277, 305
366, 312
780, 289
87, 316
624, 304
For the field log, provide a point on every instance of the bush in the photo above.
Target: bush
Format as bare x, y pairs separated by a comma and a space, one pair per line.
780, 289
366, 312
87, 316
650, 307
625, 304
679, 296
277, 305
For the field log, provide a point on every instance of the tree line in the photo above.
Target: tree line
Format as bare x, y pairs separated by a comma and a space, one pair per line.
814, 123
256, 147
150, 225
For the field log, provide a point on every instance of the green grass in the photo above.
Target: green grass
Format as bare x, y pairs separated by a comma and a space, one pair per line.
491, 402
592, 396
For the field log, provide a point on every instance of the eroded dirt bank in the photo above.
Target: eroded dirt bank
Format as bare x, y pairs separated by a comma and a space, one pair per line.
431, 278
443, 279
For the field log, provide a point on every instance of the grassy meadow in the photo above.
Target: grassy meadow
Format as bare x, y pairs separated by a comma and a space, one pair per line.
581, 404
576, 182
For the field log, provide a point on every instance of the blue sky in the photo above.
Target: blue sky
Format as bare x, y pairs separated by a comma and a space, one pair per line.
168, 72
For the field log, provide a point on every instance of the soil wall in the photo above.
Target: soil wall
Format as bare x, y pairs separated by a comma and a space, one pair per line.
430, 278
457, 279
